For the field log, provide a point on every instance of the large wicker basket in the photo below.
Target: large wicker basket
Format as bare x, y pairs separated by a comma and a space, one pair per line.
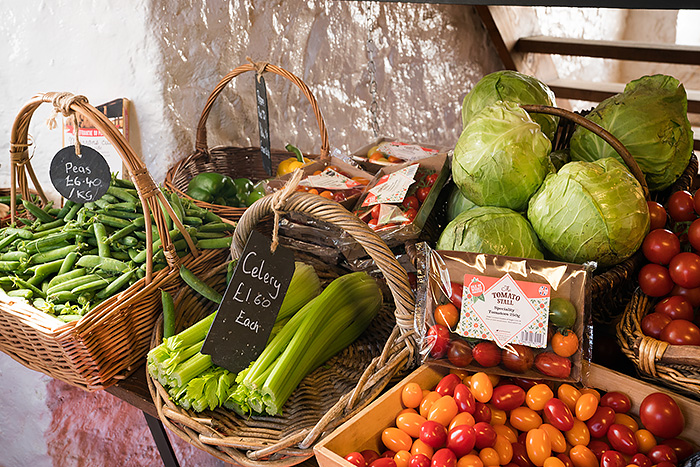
332, 393
676, 366
612, 288
236, 161
111, 340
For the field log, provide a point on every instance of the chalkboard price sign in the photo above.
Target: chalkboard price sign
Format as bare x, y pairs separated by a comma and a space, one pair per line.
80, 178
263, 122
250, 305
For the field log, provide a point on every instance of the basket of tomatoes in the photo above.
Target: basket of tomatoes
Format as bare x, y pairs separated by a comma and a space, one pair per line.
660, 328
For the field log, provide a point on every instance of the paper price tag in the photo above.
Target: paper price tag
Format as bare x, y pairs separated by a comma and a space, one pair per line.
504, 310
392, 188
406, 151
329, 179
80, 178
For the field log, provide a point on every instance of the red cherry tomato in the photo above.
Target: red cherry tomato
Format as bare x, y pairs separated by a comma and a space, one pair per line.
384, 462
459, 353
694, 234
370, 455
461, 440
438, 338
676, 307
507, 397
680, 332
410, 214
485, 435
482, 413
558, 414
419, 460
662, 453
518, 358
464, 399
622, 439
433, 434
355, 458
617, 401
681, 447
553, 365
655, 280
431, 179
487, 354
447, 384
660, 246
601, 420
653, 323
422, 193
684, 269
661, 415
410, 202
696, 202
692, 295
456, 294
680, 206
375, 211
612, 459
657, 215
641, 460
520, 457
444, 458
598, 447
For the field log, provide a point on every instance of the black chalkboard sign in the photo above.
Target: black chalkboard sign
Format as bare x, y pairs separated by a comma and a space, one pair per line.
80, 178
250, 305
263, 122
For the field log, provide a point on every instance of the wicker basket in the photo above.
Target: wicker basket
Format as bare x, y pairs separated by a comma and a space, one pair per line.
111, 340
676, 366
329, 395
235, 161
611, 289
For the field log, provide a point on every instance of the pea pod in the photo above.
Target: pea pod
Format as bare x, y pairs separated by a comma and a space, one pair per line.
68, 262
66, 276
72, 283
115, 286
109, 265
53, 255
168, 314
37, 212
199, 285
214, 243
44, 270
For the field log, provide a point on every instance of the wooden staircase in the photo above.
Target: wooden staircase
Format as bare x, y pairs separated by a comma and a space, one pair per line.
513, 50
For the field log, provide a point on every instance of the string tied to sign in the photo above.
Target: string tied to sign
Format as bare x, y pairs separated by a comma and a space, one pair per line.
259, 67
278, 201
62, 103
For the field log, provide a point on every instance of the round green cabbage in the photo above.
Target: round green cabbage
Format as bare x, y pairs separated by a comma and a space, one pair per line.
508, 85
650, 118
491, 230
590, 211
501, 157
457, 203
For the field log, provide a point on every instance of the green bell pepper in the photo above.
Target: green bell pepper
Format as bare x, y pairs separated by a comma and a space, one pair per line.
216, 188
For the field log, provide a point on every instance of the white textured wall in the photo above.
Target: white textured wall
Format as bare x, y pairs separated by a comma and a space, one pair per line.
166, 56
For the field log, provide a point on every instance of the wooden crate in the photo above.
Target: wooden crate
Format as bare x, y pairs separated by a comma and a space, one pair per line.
364, 430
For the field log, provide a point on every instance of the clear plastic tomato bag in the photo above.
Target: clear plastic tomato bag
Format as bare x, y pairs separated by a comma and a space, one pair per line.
509, 316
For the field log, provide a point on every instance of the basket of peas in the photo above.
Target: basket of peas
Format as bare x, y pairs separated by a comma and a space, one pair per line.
80, 284
228, 179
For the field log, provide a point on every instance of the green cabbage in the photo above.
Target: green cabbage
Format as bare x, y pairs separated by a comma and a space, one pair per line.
508, 85
491, 230
590, 211
457, 203
650, 118
501, 157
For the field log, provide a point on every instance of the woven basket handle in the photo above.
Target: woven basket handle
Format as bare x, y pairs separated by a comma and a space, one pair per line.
201, 142
150, 195
600, 131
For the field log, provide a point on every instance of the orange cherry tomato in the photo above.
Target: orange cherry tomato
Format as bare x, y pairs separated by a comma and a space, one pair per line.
553, 462
645, 440
411, 395
506, 432
462, 418
376, 155
318, 172
428, 402
407, 410
470, 460
498, 416
538, 446
327, 194
564, 345
402, 458
495, 379
360, 180
568, 395
394, 159
410, 423
419, 447
489, 457
628, 421
481, 387
586, 405
464, 374
447, 315
313, 191
579, 434
504, 448
581, 456
443, 410
525, 419
537, 395
591, 391
556, 438
396, 439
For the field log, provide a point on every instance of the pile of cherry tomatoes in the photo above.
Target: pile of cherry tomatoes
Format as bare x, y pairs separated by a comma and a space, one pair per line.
482, 421
673, 271
553, 361
337, 195
415, 197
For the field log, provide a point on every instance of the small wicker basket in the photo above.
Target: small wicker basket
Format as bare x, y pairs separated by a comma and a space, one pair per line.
110, 341
676, 366
235, 161
328, 396
611, 289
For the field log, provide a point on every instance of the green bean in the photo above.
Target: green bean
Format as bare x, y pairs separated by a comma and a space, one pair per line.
214, 243
53, 255
199, 285
37, 212
68, 262
68, 275
101, 237
123, 194
168, 313
116, 285
109, 265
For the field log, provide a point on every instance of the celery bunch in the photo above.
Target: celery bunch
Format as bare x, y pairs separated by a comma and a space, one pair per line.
191, 379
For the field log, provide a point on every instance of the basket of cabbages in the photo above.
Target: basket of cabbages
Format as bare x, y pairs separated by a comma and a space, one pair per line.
581, 181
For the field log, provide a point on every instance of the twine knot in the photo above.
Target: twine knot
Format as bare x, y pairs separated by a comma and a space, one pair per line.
278, 201
62, 103
259, 67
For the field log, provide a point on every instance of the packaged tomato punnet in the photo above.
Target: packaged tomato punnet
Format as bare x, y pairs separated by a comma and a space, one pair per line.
510, 316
